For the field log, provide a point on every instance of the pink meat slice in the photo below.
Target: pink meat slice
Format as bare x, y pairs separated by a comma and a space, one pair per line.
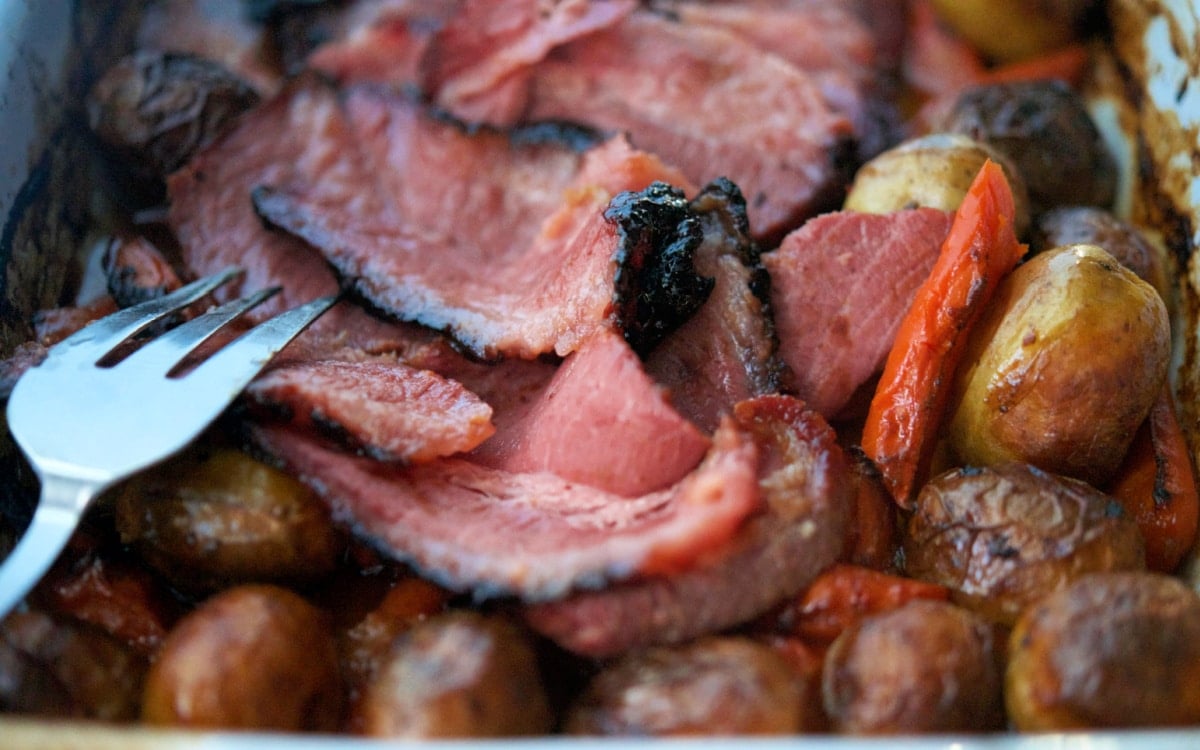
805, 481
504, 246
537, 536
213, 217
479, 67
708, 101
839, 287
381, 406
600, 421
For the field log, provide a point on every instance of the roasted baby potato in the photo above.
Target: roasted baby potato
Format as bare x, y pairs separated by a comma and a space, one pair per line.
221, 517
1111, 650
1063, 366
928, 666
1045, 129
251, 657
1002, 537
461, 674
1091, 225
153, 110
1011, 30
717, 685
933, 171
69, 668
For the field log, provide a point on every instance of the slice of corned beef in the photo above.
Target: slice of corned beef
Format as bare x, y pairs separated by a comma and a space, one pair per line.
380, 406
214, 220
600, 421
514, 247
480, 64
804, 477
727, 351
707, 101
839, 287
492, 532
375, 41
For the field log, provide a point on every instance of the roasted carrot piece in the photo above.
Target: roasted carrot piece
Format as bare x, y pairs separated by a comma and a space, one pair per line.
901, 430
1157, 487
845, 594
1066, 64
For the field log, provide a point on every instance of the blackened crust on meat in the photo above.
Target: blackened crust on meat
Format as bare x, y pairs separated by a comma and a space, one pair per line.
570, 134
656, 287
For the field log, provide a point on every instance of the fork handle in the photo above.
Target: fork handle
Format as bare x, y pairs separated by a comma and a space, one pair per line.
62, 503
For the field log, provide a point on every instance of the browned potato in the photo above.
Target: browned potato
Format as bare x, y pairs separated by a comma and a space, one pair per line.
928, 666
1000, 538
1111, 650
1010, 30
717, 685
156, 109
1090, 225
221, 517
933, 171
100, 676
1044, 127
460, 674
1063, 366
251, 657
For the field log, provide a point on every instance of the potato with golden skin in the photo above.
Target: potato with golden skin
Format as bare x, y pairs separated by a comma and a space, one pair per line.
251, 657
928, 666
1111, 650
716, 685
216, 518
1000, 538
1062, 368
933, 171
460, 674
1011, 30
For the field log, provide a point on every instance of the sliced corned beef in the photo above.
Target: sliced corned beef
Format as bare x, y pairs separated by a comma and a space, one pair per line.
537, 536
380, 406
839, 287
479, 67
214, 220
804, 478
599, 421
377, 41
513, 247
727, 351
708, 101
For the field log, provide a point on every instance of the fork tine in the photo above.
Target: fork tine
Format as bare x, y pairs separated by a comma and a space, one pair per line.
233, 366
92, 342
166, 351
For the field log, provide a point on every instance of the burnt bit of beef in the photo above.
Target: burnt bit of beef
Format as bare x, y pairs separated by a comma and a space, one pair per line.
154, 110
728, 351
656, 287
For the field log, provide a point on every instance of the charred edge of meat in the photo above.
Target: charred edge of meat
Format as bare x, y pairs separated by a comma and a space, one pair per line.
723, 196
575, 136
656, 287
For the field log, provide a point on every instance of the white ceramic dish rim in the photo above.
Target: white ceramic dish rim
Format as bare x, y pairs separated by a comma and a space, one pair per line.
34, 45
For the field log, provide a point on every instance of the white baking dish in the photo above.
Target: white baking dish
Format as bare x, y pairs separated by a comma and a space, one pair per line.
39, 62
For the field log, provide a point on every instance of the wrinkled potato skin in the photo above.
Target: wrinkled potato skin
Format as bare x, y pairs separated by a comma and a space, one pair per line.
460, 674
1000, 538
717, 685
101, 675
933, 171
1011, 30
1112, 650
227, 519
1045, 129
927, 666
1090, 225
251, 657
1062, 368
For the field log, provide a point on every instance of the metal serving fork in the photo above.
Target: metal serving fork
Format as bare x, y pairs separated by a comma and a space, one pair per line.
85, 426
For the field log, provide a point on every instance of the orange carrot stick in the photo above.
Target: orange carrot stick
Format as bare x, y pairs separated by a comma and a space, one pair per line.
1157, 487
901, 429
1066, 64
